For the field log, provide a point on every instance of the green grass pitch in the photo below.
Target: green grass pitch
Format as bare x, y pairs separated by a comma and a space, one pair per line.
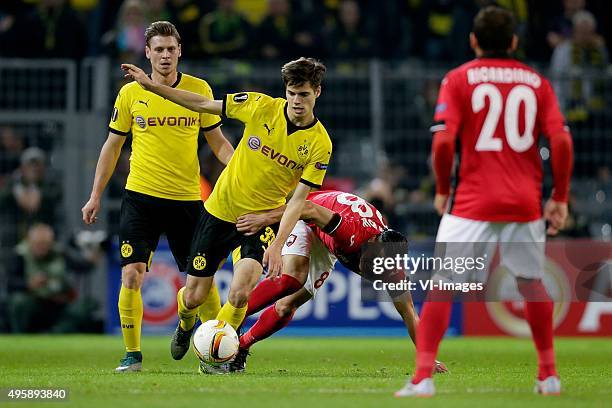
304, 372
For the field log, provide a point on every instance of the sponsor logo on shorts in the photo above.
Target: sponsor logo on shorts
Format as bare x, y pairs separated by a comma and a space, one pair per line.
141, 122
115, 114
241, 97
126, 250
254, 143
199, 263
291, 240
321, 166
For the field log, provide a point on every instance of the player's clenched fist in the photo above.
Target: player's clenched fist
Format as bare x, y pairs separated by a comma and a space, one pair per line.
90, 211
555, 213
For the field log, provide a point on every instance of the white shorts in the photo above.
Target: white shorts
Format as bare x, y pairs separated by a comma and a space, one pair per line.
302, 241
521, 244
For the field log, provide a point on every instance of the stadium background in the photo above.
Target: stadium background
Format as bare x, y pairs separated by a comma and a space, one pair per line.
59, 74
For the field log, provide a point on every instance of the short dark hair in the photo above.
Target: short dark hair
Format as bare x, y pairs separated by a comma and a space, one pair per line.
303, 70
494, 28
390, 235
163, 28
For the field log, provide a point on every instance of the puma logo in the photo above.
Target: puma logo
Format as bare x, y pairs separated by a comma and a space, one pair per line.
268, 128
144, 103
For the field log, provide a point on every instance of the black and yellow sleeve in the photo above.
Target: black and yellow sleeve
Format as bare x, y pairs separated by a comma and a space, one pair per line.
208, 121
121, 118
315, 170
241, 106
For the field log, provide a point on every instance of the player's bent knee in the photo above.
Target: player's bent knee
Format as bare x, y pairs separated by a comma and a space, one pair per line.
132, 275
239, 297
193, 297
284, 309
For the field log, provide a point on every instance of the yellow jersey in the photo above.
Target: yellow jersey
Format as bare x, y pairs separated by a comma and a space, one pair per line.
164, 161
272, 157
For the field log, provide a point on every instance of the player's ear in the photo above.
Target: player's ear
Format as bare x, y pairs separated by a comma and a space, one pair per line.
180, 50
473, 42
514, 43
318, 91
147, 52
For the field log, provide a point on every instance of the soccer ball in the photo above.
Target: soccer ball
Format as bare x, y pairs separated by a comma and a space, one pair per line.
215, 342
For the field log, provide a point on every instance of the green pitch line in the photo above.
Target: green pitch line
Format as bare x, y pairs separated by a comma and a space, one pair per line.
304, 372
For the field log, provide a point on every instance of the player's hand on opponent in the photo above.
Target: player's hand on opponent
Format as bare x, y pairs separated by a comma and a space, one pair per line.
90, 211
440, 203
137, 74
555, 213
250, 224
273, 260
440, 368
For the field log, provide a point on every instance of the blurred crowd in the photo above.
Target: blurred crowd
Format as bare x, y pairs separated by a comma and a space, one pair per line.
281, 29
40, 269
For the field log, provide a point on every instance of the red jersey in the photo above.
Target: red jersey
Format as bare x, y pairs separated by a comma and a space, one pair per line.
360, 221
497, 108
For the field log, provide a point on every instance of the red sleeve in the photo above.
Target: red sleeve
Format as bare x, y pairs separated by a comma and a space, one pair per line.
553, 127
549, 115
562, 159
442, 156
447, 114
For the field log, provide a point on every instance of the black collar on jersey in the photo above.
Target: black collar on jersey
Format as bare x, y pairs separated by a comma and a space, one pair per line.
179, 75
291, 128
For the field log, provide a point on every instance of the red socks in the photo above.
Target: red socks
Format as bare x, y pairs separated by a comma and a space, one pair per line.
539, 315
270, 290
268, 323
435, 318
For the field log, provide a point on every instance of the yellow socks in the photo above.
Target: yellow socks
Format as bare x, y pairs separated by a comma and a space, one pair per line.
187, 316
232, 315
211, 306
130, 314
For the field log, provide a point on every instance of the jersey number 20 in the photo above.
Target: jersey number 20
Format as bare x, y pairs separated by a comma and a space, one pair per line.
520, 94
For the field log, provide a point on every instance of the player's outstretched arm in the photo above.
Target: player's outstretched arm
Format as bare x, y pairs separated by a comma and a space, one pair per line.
189, 100
405, 307
104, 169
250, 224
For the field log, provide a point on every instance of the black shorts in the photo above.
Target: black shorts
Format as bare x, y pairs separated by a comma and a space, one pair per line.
214, 239
144, 218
